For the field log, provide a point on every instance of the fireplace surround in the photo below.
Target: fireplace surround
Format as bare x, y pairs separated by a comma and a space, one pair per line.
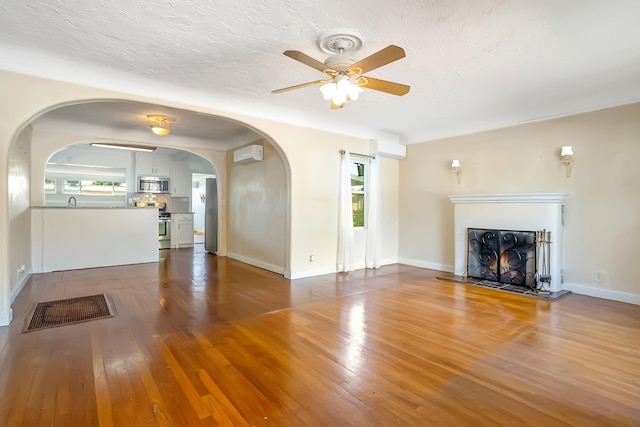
528, 211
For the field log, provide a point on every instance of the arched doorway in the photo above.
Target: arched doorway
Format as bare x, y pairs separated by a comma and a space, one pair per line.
58, 128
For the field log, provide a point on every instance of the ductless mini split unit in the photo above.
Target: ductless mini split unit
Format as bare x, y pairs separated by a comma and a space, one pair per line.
250, 154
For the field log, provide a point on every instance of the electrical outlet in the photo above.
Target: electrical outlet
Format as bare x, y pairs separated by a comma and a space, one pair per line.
312, 258
599, 276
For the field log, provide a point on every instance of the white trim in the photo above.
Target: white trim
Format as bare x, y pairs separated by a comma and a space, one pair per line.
256, 263
311, 273
5, 318
388, 261
603, 293
19, 288
510, 198
426, 264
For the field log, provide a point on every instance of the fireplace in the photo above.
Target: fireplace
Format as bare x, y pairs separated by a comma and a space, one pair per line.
505, 256
529, 211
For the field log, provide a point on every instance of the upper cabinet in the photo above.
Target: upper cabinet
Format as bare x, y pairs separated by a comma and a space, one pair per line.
180, 179
153, 164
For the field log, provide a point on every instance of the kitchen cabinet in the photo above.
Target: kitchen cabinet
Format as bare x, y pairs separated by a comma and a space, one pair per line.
148, 164
180, 179
182, 230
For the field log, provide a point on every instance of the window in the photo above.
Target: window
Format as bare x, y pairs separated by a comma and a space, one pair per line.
358, 190
95, 188
71, 186
49, 186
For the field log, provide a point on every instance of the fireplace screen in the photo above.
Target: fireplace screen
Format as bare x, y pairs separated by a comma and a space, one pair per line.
504, 256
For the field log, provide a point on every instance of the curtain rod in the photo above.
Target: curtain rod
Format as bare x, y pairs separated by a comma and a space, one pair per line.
357, 154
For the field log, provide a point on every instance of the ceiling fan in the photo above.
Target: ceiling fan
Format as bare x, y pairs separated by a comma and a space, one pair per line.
344, 76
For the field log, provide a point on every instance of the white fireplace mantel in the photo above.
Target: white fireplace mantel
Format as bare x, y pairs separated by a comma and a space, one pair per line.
511, 198
524, 212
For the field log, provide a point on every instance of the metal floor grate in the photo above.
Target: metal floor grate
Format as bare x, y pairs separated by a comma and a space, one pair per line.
68, 311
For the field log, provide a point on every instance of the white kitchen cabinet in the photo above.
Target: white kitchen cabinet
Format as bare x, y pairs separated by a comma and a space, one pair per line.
180, 179
182, 230
153, 164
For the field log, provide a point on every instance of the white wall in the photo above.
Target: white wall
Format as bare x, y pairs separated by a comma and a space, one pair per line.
602, 211
257, 210
19, 214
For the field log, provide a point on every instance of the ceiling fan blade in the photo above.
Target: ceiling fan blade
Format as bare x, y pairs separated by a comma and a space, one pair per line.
285, 89
382, 57
305, 59
384, 86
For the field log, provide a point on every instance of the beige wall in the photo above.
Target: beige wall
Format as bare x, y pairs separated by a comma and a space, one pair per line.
310, 155
602, 213
389, 204
257, 210
19, 212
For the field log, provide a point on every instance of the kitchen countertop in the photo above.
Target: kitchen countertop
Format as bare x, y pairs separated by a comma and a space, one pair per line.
85, 207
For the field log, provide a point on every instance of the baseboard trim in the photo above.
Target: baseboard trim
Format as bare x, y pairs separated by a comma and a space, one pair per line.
6, 318
256, 263
19, 288
309, 273
358, 266
426, 264
603, 293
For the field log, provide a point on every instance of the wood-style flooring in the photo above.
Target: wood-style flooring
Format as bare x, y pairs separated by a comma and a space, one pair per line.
205, 341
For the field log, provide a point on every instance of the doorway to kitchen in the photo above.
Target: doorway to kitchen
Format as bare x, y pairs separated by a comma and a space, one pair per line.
199, 205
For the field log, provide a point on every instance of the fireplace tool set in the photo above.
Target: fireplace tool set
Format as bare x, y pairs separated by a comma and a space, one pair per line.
543, 257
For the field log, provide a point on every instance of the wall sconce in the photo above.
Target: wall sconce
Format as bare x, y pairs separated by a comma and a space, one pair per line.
455, 166
567, 159
160, 125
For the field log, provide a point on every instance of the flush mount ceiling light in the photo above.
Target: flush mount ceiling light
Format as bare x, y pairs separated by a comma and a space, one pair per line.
160, 125
118, 146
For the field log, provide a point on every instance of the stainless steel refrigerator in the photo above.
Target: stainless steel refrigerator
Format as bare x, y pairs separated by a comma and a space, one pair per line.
211, 216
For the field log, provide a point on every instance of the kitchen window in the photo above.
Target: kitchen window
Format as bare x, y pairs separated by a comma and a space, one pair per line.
94, 187
49, 186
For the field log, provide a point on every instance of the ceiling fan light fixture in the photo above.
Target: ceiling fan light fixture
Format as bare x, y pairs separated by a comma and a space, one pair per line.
346, 81
328, 90
354, 92
339, 98
160, 125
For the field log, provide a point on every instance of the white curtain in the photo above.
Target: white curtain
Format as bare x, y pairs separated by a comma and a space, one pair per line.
345, 216
372, 254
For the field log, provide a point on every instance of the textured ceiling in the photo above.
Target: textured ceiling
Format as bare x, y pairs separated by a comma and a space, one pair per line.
472, 64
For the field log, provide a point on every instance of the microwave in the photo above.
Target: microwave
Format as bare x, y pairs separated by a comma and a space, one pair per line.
153, 184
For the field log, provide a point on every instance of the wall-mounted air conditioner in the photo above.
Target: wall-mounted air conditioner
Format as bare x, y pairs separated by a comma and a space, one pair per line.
250, 154
385, 147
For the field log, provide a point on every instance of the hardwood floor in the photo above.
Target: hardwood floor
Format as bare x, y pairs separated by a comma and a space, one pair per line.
206, 341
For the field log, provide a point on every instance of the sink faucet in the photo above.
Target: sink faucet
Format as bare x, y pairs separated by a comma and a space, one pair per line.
72, 202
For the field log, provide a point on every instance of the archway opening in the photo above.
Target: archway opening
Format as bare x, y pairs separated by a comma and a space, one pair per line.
59, 128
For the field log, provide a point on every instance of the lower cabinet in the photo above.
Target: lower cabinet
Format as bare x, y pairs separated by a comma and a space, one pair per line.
182, 230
